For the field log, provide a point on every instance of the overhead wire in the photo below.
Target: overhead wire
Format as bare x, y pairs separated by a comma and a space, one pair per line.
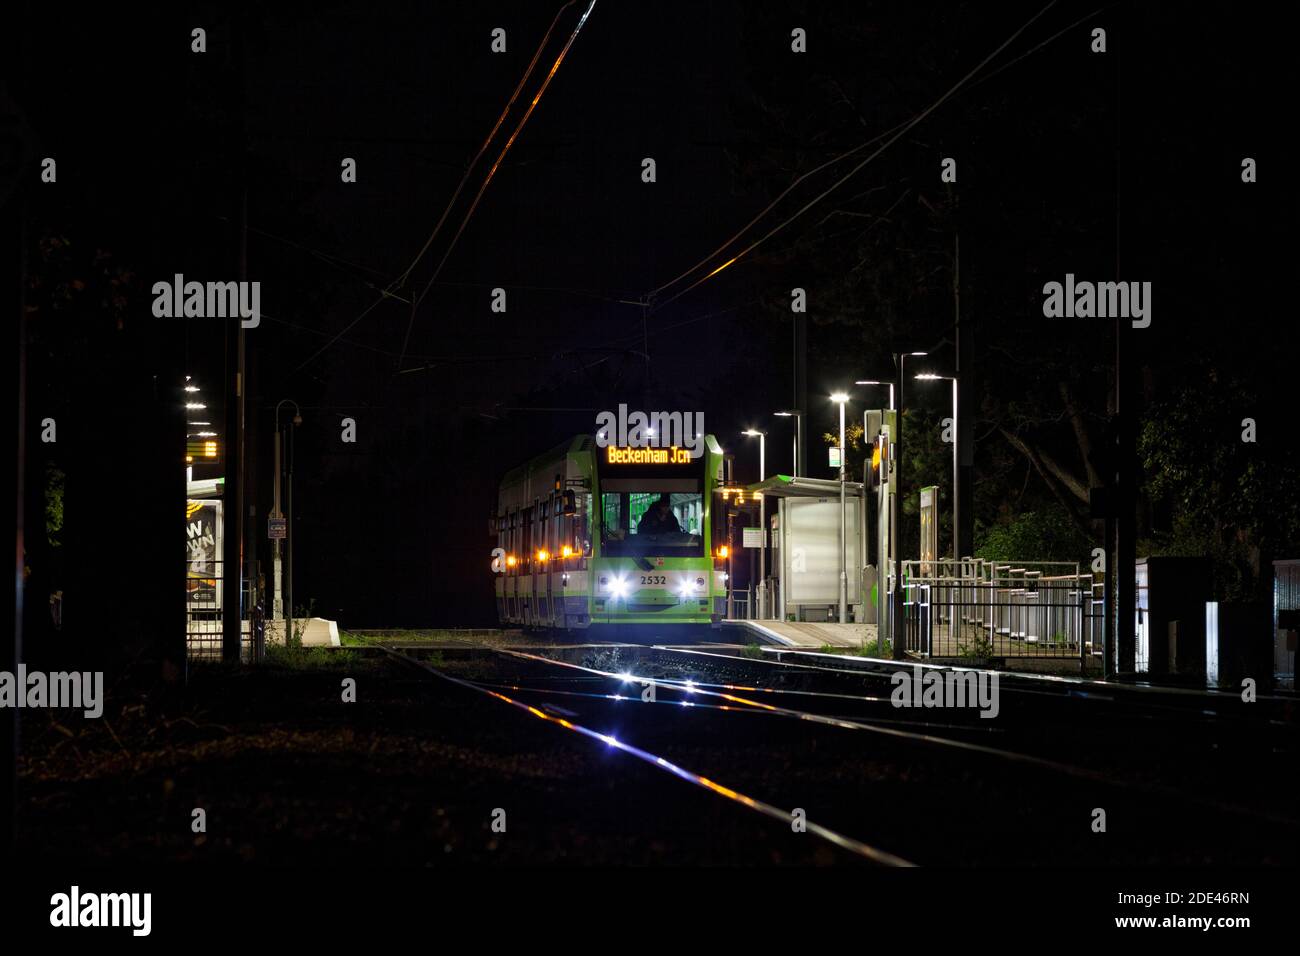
402, 277
492, 172
890, 136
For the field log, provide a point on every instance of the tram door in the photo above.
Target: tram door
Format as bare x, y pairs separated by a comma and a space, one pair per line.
512, 574
554, 593
535, 566
548, 542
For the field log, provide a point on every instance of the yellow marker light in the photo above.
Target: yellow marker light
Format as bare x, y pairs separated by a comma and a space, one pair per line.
567, 552
543, 556
724, 551
511, 560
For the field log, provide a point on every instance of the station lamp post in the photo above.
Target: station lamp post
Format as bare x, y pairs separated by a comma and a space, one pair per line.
841, 399
277, 606
896, 509
761, 591
797, 415
891, 394
956, 489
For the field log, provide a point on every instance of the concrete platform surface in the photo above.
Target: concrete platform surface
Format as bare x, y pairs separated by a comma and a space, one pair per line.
805, 633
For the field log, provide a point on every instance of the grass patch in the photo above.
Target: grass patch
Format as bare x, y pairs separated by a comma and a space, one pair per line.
979, 649
871, 648
470, 637
752, 650
308, 658
877, 648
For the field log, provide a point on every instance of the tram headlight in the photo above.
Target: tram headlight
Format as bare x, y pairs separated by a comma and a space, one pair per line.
618, 587
690, 586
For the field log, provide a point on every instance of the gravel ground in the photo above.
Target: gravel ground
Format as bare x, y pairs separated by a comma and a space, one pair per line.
410, 774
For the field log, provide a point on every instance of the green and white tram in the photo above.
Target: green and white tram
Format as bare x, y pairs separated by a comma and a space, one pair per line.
612, 541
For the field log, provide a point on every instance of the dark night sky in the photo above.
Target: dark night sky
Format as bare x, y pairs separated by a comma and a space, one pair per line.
151, 140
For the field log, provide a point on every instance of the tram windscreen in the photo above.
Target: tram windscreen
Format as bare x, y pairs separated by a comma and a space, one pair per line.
649, 516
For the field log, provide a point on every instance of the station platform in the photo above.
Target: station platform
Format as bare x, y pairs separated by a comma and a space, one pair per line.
805, 634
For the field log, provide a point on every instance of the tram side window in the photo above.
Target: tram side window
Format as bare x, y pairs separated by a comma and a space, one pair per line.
560, 527
539, 529
548, 527
554, 526
612, 514
526, 521
514, 532
582, 524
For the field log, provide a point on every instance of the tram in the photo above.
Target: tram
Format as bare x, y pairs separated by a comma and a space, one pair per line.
611, 541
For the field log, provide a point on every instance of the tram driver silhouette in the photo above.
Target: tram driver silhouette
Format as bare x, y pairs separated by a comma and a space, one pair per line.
660, 518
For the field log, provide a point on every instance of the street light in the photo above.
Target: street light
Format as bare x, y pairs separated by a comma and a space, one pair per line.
840, 399
896, 510
797, 415
277, 608
761, 590
956, 496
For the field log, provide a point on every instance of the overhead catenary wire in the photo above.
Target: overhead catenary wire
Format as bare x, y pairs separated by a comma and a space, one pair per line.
890, 136
405, 274
388, 291
532, 64
492, 172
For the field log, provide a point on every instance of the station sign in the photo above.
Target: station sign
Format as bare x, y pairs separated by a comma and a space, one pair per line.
616, 455
206, 450
277, 527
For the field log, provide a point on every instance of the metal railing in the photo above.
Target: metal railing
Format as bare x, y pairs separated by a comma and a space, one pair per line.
738, 604
204, 586
985, 609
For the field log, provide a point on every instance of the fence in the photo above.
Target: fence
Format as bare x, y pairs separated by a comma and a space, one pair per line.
738, 604
204, 591
977, 608
1286, 597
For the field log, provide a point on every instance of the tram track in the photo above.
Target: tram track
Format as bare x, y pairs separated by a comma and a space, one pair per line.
694, 710
736, 703
850, 844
